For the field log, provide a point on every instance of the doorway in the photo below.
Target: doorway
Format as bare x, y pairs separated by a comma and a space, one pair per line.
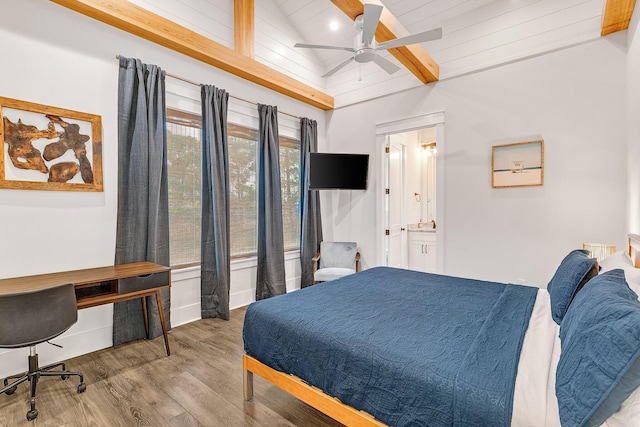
413, 190
395, 204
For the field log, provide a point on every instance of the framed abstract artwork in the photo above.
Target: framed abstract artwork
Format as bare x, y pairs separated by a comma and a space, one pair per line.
49, 148
520, 164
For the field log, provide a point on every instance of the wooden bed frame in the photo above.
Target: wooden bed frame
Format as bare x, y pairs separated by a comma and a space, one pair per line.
331, 406
310, 395
634, 249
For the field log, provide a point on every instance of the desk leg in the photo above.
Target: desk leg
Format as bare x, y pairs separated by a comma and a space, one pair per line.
164, 326
143, 300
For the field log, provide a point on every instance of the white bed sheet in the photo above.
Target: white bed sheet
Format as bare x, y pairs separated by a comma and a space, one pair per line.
534, 401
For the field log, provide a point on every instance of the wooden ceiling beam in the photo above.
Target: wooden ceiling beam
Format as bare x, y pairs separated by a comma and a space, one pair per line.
616, 16
244, 27
414, 57
142, 23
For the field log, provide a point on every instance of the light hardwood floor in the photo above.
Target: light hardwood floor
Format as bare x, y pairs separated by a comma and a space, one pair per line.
135, 384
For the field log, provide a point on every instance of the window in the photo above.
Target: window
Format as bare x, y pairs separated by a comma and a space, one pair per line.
243, 191
184, 167
290, 181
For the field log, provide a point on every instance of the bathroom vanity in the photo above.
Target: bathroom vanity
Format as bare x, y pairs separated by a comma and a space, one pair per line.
422, 248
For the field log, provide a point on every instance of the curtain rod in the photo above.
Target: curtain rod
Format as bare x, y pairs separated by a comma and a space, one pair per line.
173, 76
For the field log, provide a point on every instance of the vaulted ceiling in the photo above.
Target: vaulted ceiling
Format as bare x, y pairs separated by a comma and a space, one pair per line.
255, 40
477, 34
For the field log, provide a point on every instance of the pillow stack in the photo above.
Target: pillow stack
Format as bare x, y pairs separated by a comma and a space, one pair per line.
599, 364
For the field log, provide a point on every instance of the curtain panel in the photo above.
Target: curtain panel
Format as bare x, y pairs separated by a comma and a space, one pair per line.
271, 275
310, 220
143, 209
215, 264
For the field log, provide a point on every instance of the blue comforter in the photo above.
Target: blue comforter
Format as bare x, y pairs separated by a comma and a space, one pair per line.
409, 348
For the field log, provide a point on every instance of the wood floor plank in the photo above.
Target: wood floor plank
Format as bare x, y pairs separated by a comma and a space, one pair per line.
135, 384
184, 420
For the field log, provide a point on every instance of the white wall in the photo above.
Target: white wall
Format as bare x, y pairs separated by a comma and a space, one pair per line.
633, 124
57, 57
574, 99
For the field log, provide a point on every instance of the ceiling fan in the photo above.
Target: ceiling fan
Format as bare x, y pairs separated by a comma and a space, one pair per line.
365, 47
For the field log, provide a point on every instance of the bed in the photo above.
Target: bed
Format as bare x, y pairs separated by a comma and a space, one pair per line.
397, 347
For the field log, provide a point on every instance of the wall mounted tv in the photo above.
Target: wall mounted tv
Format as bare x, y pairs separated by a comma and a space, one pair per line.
337, 171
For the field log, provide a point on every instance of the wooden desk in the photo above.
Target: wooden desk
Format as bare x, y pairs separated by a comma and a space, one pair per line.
104, 285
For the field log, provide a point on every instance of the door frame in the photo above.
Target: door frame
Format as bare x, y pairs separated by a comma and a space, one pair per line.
383, 130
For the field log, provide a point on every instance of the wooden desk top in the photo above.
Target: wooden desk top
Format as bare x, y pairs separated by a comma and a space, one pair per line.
79, 277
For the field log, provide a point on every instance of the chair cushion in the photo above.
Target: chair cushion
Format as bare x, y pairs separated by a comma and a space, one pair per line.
326, 274
338, 254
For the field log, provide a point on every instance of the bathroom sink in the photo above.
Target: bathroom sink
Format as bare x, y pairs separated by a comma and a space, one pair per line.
422, 226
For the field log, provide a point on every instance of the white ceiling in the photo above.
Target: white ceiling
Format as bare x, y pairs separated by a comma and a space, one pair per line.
477, 34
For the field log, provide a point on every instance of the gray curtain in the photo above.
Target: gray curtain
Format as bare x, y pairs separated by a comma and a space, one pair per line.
271, 277
216, 251
143, 210
310, 221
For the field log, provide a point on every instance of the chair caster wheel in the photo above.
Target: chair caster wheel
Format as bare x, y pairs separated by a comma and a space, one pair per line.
11, 390
64, 377
32, 415
82, 387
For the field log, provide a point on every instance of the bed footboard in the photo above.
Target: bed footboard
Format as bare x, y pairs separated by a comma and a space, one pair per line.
312, 396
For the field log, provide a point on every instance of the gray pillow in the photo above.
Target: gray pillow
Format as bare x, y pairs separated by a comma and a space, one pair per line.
574, 271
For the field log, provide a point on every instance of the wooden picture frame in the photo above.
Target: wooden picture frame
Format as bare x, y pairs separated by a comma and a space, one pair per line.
49, 148
520, 164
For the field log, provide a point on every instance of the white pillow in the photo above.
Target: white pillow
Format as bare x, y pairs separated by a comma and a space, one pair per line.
622, 260
618, 259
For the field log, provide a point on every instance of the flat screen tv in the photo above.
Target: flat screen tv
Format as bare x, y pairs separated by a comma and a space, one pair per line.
337, 171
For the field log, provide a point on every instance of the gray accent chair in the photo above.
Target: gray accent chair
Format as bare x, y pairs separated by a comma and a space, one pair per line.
34, 317
335, 260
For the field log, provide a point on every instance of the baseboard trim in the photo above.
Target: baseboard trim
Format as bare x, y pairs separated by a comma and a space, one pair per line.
185, 314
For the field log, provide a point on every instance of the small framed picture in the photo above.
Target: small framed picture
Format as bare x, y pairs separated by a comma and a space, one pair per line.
49, 148
520, 164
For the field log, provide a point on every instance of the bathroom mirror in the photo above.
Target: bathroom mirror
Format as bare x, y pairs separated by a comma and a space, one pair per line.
428, 182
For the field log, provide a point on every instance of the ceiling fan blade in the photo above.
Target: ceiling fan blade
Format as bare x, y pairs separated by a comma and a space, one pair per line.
337, 67
321, 46
385, 64
370, 21
425, 36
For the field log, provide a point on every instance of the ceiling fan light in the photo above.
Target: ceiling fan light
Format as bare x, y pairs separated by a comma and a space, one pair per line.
366, 54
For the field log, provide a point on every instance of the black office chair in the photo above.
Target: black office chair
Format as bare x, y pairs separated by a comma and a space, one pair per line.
30, 318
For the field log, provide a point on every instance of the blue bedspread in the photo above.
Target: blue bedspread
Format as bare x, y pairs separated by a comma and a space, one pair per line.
409, 348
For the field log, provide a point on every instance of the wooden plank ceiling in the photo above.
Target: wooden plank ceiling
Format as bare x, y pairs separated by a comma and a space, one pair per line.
477, 35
